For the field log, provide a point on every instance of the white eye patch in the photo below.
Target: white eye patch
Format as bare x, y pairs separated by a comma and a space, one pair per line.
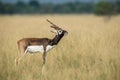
60, 31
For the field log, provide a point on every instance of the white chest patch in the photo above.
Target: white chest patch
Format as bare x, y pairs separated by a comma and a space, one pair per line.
49, 47
38, 48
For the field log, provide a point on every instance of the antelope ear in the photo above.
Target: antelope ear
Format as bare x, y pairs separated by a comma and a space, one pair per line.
54, 31
52, 26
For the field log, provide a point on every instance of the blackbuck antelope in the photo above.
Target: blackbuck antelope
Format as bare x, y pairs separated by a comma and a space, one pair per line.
43, 45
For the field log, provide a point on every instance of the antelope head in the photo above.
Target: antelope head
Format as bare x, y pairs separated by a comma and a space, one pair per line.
57, 30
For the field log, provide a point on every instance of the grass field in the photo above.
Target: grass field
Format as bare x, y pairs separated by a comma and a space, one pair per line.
91, 51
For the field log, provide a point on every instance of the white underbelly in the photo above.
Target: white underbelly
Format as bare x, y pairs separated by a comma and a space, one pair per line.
38, 48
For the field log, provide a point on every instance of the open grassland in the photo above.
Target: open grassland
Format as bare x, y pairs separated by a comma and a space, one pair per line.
91, 51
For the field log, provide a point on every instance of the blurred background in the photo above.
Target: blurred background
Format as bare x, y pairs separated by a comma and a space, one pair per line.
99, 7
91, 51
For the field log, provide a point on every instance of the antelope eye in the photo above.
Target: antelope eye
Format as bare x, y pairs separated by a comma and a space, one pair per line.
60, 31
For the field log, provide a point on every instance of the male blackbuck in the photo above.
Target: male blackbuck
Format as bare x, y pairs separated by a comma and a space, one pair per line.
43, 45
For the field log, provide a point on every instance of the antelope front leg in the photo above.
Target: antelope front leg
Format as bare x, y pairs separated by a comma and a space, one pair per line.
44, 58
43, 65
44, 55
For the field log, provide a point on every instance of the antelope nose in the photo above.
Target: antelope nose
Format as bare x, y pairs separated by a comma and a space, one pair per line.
66, 33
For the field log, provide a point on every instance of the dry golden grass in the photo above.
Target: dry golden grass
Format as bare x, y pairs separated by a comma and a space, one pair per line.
91, 51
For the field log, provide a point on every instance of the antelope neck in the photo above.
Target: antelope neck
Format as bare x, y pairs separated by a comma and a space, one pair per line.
56, 39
